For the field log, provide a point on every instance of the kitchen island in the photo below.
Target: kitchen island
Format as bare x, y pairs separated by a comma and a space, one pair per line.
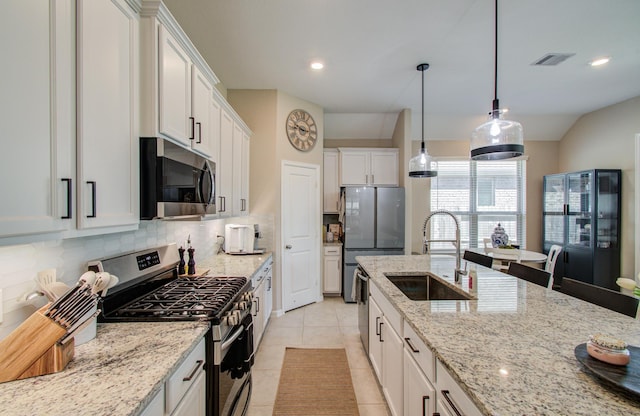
511, 350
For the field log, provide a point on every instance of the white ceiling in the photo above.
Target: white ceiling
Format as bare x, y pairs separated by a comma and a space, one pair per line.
371, 48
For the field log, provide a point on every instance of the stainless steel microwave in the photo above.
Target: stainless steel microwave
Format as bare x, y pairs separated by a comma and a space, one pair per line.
175, 183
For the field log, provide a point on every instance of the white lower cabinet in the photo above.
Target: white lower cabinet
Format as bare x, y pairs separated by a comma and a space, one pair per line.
332, 273
419, 375
385, 348
262, 301
184, 393
452, 400
392, 374
419, 394
195, 399
258, 320
156, 406
375, 346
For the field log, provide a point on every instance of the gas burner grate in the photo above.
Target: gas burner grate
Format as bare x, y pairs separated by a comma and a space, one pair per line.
186, 297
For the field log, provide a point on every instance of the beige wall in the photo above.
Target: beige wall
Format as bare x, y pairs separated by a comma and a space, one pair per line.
265, 112
606, 139
542, 160
402, 141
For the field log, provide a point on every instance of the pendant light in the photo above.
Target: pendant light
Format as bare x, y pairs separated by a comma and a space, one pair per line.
420, 166
497, 138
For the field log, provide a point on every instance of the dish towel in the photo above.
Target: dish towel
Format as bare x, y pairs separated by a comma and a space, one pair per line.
353, 285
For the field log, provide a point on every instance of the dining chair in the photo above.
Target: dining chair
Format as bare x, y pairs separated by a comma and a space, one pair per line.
552, 257
478, 258
530, 274
600, 296
488, 247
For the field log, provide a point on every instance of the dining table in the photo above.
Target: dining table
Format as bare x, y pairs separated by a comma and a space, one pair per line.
508, 255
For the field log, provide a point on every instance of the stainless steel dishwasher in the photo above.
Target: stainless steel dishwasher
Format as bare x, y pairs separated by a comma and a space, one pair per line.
362, 299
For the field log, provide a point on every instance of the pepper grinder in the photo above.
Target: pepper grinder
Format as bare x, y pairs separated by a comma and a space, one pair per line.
181, 264
191, 269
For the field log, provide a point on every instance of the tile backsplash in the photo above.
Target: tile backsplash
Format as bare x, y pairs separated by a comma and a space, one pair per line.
19, 264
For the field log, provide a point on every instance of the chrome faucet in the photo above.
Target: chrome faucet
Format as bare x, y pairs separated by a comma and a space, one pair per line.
425, 245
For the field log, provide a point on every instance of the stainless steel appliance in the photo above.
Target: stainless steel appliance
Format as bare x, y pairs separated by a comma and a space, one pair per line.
373, 226
175, 183
362, 299
151, 291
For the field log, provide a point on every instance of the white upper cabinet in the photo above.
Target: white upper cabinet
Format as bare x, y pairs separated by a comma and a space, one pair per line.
384, 167
107, 113
36, 115
177, 89
224, 166
174, 76
368, 167
331, 184
240, 171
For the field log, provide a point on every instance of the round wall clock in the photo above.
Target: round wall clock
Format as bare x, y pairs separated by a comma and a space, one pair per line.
301, 130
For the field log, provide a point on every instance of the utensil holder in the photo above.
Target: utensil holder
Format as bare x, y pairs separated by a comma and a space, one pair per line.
32, 349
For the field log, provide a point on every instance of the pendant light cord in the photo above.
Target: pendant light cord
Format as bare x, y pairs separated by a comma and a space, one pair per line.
496, 105
422, 145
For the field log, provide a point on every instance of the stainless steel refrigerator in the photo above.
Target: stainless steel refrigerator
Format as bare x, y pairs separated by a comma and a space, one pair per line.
373, 223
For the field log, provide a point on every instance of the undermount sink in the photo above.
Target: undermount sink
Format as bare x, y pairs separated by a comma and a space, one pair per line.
425, 287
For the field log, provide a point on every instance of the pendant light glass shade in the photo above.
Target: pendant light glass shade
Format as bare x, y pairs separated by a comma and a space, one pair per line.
497, 138
420, 165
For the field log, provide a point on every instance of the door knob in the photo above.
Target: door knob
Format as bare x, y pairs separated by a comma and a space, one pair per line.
288, 246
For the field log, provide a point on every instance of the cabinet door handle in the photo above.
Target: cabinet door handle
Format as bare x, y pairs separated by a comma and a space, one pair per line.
193, 128
199, 132
377, 323
93, 199
195, 370
223, 204
447, 397
366, 179
372, 179
257, 306
69, 206
424, 405
413, 349
381, 340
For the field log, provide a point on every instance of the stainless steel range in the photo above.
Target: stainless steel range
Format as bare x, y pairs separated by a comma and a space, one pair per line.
150, 290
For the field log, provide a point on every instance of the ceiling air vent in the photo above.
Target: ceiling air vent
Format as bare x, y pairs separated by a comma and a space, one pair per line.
552, 59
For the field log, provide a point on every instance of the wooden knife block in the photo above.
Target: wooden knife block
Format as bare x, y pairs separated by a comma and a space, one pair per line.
32, 349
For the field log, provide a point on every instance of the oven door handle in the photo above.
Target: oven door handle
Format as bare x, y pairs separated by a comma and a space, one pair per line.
225, 345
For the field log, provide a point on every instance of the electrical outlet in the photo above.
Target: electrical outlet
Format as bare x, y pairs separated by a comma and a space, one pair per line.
1, 304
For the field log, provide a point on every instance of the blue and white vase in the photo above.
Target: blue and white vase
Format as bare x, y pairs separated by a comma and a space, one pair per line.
499, 237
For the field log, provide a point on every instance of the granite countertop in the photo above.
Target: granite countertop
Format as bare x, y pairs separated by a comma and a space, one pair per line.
333, 243
117, 373
232, 265
512, 349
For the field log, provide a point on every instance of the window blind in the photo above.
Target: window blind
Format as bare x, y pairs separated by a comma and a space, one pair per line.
481, 194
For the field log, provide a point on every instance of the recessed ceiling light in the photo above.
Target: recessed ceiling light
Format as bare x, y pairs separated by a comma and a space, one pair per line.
317, 65
600, 61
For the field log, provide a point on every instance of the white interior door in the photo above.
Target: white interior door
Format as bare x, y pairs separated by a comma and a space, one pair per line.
300, 240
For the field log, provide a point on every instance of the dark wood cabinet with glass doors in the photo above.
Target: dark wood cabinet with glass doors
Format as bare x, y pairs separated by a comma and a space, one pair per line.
581, 213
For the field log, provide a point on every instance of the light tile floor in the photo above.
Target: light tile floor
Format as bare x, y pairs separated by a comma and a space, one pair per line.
331, 323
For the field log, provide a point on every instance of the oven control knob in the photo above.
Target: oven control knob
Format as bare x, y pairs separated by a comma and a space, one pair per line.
232, 320
236, 317
242, 305
247, 296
